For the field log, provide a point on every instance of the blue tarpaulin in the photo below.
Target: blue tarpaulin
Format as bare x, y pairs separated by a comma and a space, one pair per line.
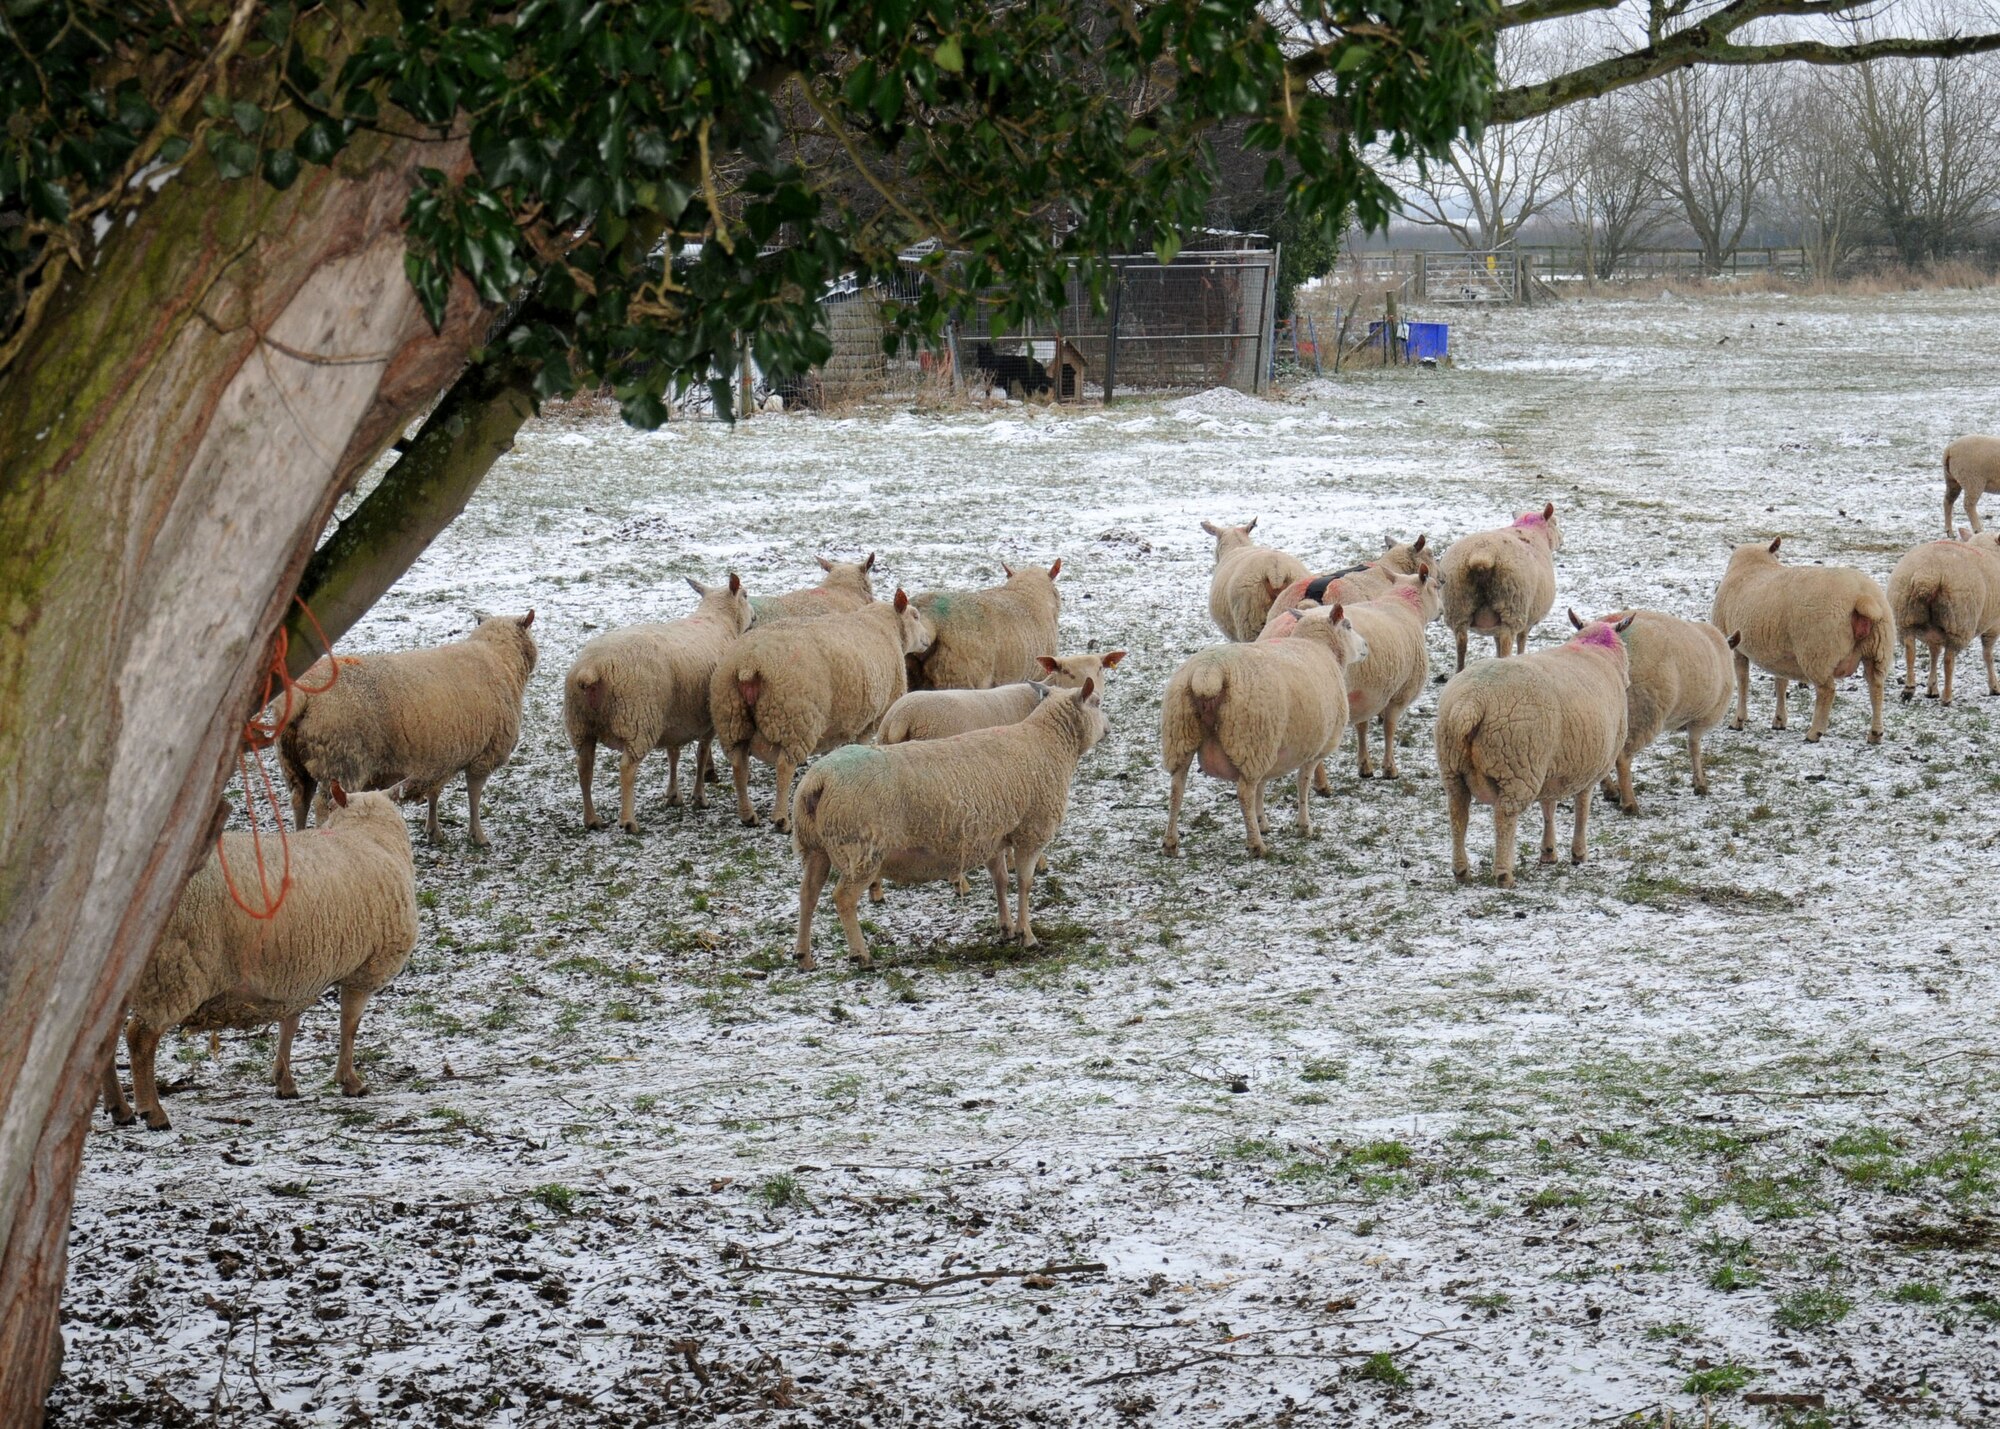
1415, 341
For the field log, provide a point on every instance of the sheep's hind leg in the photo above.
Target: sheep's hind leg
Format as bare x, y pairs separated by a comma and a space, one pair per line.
1548, 831
739, 770
1950, 674
1778, 720
628, 791
674, 776
1364, 766
1024, 886
432, 831
996, 867
1822, 712
847, 902
817, 866
1506, 828
1742, 691
1305, 804
586, 775
142, 1043
288, 1028
1246, 796
1986, 644
1173, 839
353, 1002
1503, 642
1459, 637
1971, 513
781, 811
1909, 668
1628, 797
1931, 685
704, 772
1876, 676
1579, 844
1389, 717
1694, 758
1458, 795
475, 785
114, 1094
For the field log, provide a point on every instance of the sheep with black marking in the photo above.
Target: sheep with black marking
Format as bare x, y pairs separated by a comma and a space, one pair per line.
1258, 710
1679, 683
989, 637
1946, 594
415, 718
1537, 730
348, 920
1971, 467
846, 587
786, 692
930, 809
1813, 624
1352, 585
645, 687
1247, 578
1501, 583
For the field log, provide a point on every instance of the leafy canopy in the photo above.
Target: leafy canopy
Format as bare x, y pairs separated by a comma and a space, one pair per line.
652, 183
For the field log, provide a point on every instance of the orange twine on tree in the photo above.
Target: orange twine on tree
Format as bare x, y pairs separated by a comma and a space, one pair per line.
258, 736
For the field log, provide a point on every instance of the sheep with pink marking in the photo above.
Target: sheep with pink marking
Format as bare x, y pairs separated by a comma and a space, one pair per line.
1501, 583
1945, 595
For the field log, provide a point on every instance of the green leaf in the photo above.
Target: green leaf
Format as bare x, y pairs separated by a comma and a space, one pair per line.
281, 168
1139, 136
48, 200
234, 157
949, 57
173, 150
249, 118
320, 141
1168, 246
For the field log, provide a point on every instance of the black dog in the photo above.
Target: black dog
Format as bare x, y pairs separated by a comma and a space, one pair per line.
1017, 376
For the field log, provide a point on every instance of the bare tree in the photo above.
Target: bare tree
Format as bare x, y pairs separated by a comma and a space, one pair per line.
1929, 152
1711, 150
1819, 171
1488, 186
1613, 204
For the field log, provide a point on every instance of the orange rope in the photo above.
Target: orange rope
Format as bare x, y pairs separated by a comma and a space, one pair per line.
259, 735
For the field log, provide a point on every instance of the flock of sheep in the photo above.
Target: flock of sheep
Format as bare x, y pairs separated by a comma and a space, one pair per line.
947, 730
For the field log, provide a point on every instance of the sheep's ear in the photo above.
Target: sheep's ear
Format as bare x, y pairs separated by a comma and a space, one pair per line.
735, 584
1418, 544
1626, 624
1338, 614
1047, 663
696, 586
1008, 569
1253, 525
480, 617
824, 563
1211, 528
1056, 569
1965, 533
1110, 661
1423, 570
1735, 640
336, 793
1271, 589
525, 621
1089, 688
1388, 543
902, 601
1575, 619
869, 564
1549, 512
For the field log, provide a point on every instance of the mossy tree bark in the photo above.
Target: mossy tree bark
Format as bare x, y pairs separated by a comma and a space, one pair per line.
172, 440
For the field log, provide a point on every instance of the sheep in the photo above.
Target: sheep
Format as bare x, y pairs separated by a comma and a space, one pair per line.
646, 687
989, 637
1679, 680
1539, 729
1389, 679
348, 920
1944, 593
1353, 584
802, 687
1814, 624
1247, 579
845, 588
1501, 583
415, 718
1971, 465
940, 714
1256, 711
929, 809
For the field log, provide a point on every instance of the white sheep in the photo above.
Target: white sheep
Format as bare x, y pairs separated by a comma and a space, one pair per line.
1247, 579
415, 718
1256, 711
645, 687
1501, 583
1814, 624
1352, 585
940, 714
802, 687
1537, 730
1945, 594
348, 920
989, 637
1972, 466
1387, 681
930, 809
1679, 681
845, 588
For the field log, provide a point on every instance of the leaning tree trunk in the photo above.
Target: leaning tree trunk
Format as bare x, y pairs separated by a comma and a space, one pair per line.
172, 440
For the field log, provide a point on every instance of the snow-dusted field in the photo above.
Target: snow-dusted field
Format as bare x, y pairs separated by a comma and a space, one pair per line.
1317, 1140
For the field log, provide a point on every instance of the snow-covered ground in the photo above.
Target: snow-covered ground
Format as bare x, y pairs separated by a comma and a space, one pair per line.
1318, 1140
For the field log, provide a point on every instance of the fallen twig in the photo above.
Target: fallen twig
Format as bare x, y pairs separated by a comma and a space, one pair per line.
909, 1282
1807, 1096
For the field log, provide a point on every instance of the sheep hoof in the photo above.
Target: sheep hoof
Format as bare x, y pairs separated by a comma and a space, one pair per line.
1031, 941
1256, 850
481, 841
630, 826
1944, 704
1736, 724
1461, 875
288, 1090
1631, 808
1874, 736
749, 820
1548, 856
1577, 857
806, 963
1909, 693
1505, 880
783, 826
1812, 739
599, 822
355, 1088
157, 1121
1170, 846
1702, 789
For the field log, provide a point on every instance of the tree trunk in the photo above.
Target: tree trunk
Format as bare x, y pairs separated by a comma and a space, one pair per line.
172, 440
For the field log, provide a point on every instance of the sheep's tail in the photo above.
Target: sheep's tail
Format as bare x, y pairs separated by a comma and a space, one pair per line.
749, 689
1874, 627
1208, 686
805, 811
